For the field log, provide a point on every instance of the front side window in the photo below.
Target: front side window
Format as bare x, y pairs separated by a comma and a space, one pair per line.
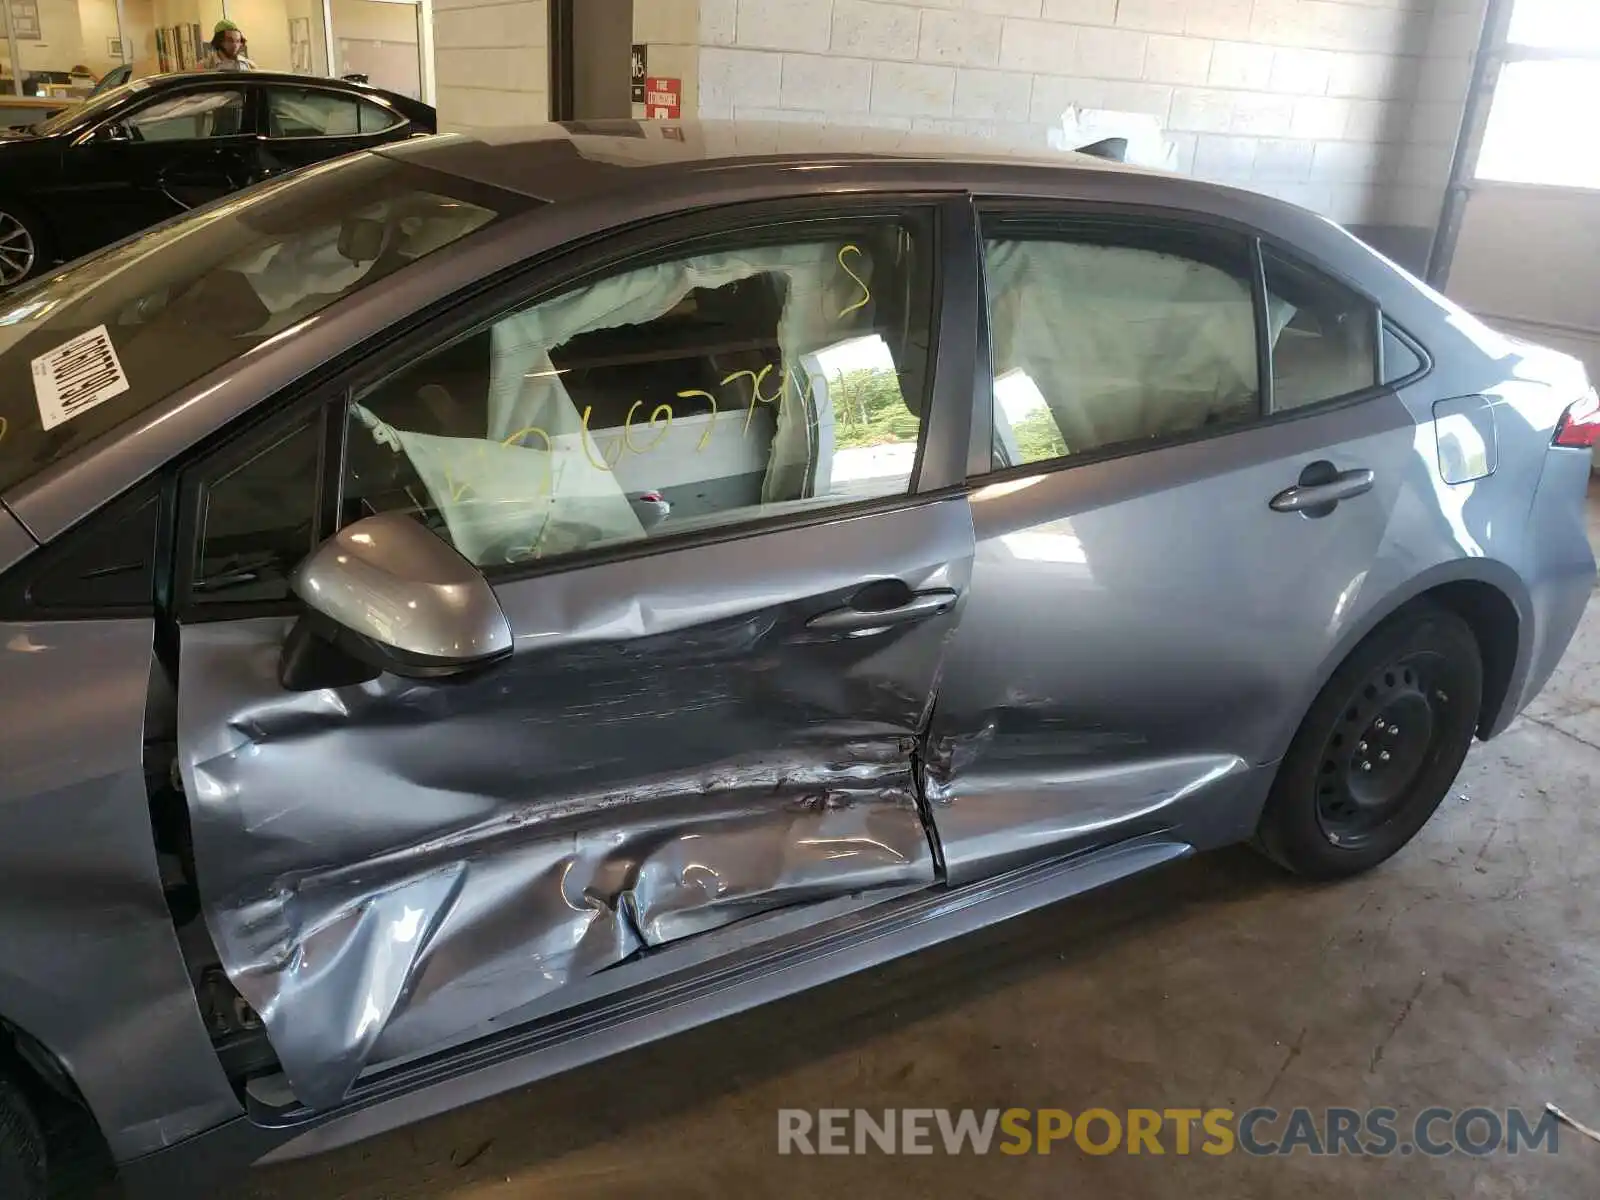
294, 113
256, 518
189, 117
1109, 335
1323, 336
724, 384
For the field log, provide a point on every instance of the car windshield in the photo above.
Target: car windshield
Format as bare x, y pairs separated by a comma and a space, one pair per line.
87, 348
89, 110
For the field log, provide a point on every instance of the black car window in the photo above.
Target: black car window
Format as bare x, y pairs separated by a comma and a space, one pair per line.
731, 381
374, 118
191, 116
305, 112
255, 517
86, 348
1110, 334
1323, 335
1400, 361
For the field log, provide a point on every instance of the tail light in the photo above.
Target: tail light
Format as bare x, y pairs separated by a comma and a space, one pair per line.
1579, 426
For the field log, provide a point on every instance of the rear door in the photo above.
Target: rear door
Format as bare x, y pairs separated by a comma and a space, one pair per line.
712, 479
1152, 599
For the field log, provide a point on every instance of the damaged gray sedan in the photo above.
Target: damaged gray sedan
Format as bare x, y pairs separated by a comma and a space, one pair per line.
475, 607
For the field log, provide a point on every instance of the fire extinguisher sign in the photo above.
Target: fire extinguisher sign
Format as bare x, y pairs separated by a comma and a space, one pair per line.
663, 98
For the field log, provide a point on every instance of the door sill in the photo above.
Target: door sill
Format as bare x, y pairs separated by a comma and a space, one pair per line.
676, 1002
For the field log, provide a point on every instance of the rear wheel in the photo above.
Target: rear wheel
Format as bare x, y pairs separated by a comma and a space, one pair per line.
1379, 749
22, 1166
22, 244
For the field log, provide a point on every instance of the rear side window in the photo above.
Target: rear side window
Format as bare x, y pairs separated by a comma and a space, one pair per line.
1109, 335
294, 113
374, 118
1323, 336
1400, 361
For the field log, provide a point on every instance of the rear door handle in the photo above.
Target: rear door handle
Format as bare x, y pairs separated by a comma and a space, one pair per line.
851, 619
1319, 491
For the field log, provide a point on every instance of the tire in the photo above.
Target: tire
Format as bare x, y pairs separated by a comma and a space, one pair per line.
1379, 748
22, 1163
24, 244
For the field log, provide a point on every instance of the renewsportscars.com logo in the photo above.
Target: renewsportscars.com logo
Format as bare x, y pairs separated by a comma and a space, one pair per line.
1261, 1132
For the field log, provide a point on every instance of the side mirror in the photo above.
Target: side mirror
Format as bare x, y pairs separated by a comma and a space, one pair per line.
385, 594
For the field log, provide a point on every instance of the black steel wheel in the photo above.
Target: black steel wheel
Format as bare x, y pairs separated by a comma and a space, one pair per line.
1379, 748
22, 1164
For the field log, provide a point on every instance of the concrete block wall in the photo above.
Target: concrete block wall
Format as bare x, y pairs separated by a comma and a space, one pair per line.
1420, 166
491, 62
1309, 100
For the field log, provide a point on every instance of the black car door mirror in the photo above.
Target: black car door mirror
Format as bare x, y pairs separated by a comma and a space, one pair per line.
386, 594
114, 131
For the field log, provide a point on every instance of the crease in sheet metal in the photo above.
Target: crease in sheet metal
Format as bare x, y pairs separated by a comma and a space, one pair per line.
388, 867
378, 878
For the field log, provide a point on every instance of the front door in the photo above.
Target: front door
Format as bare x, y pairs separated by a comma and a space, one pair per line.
699, 484
1149, 608
175, 153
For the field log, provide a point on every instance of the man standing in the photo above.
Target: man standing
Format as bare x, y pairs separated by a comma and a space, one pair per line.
227, 49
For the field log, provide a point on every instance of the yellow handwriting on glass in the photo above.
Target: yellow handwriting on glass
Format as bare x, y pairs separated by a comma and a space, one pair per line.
608, 462
866, 292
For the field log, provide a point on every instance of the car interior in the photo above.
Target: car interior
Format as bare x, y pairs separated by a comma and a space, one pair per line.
683, 406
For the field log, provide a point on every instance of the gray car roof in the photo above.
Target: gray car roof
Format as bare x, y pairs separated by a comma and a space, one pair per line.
651, 164
560, 161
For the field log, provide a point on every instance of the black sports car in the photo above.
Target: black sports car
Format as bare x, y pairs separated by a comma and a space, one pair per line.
137, 154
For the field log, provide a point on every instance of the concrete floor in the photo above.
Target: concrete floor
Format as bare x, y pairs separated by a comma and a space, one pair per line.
1465, 972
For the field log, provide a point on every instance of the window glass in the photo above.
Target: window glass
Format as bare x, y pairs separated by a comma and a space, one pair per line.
1322, 335
1572, 25
720, 386
375, 118
1529, 135
106, 564
188, 117
1111, 335
1400, 361
200, 292
258, 520
292, 114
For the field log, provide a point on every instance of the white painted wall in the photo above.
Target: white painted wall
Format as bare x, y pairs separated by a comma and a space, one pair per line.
491, 62
1304, 99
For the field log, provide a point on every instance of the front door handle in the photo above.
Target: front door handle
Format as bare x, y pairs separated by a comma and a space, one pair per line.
1320, 489
851, 619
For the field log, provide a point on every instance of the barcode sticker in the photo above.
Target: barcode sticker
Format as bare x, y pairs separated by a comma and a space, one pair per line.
77, 376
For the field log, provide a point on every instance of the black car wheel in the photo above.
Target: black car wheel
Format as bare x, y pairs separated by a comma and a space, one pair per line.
22, 244
22, 1166
1379, 749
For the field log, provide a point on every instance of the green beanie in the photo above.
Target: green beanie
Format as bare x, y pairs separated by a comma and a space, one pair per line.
224, 26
